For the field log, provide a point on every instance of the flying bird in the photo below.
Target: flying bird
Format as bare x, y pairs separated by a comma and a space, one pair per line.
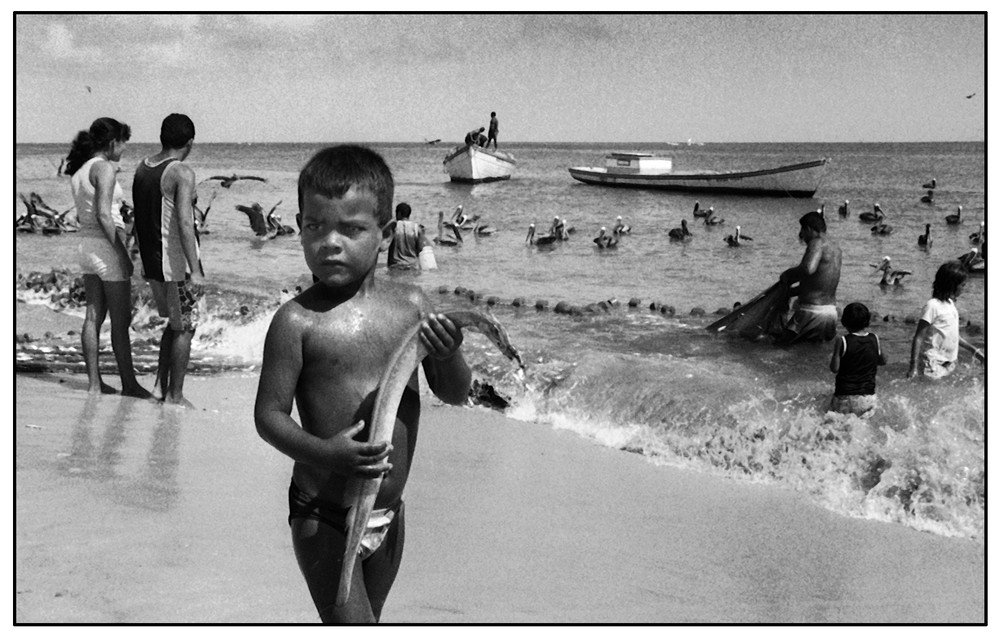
228, 181
969, 96
87, 87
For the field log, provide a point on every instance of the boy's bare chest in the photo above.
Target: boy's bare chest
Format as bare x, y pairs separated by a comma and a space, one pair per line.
354, 339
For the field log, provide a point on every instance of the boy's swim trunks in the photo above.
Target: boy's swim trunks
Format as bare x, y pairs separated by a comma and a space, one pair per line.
302, 505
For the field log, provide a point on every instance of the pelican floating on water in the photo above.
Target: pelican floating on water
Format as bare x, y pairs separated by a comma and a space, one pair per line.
734, 239
925, 240
844, 210
973, 261
875, 215
954, 218
931, 185
446, 240
540, 240
881, 229
604, 240
698, 212
890, 276
265, 226
620, 227
679, 233
978, 236
929, 198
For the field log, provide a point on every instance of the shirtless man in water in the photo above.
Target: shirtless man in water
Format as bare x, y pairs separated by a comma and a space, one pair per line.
814, 315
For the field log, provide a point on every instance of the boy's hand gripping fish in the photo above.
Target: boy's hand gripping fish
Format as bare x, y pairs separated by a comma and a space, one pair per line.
407, 357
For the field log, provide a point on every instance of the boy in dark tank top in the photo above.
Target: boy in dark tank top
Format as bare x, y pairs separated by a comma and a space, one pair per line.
856, 359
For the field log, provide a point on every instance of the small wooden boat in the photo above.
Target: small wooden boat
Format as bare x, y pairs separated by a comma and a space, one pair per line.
646, 171
470, 163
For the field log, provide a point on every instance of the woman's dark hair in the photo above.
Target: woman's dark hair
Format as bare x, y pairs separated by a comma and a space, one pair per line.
101, 134
856, 317
949, 277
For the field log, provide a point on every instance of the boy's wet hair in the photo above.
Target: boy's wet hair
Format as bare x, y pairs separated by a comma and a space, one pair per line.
949, 277
814, 220
176, 131
334, 170
402, 211
856, 317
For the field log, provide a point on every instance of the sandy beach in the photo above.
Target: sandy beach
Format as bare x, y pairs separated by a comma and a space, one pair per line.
132, 512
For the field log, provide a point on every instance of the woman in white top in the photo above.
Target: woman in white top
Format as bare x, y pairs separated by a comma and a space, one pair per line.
104, 258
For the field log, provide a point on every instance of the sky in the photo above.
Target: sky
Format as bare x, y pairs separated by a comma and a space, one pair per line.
550, 77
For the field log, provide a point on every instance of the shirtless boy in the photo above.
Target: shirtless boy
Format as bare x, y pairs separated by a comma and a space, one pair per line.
814, 316
326, 350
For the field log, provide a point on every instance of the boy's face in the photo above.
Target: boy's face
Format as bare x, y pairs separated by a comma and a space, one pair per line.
341, 237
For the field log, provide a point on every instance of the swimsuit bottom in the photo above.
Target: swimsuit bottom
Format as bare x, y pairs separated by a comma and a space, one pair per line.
860, 405
814, 322
935, 368
303, 505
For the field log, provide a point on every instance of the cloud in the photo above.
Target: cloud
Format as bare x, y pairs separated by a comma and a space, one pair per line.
61, 44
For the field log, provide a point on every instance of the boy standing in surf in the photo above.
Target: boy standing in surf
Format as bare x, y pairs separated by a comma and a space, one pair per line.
326, 349
856, 359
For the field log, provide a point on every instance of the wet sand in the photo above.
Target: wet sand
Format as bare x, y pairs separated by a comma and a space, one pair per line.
132, 512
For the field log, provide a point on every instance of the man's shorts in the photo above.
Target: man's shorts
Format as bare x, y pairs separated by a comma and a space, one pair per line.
178, 302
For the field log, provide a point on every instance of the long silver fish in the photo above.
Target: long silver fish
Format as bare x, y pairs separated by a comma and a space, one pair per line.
411, 351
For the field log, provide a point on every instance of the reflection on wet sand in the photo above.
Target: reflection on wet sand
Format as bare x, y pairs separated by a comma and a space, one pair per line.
108, 448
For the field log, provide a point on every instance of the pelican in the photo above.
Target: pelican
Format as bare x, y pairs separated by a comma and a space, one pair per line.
875, 215
734, 239
978, 236
201, 216
711, 219
482, 229
605, 240
973, 262
444, 240
881, 229
844, 210
257, 220
264, 225
542, 239
955, 218
700, 213
274, 222
890, 276
931, 185
679, 233
228, 181
925, 240
620, 227
929, 198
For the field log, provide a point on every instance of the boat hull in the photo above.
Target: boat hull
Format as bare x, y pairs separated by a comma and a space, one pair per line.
795, 181
471, 164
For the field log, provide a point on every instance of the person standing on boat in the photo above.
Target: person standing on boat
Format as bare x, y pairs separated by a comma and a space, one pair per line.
814, 316
494, 130
475, 137
407, 241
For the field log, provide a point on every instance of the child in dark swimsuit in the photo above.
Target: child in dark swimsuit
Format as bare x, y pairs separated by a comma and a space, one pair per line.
325, 351
856, 358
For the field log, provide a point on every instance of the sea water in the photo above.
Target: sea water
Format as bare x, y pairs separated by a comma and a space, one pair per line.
626, 376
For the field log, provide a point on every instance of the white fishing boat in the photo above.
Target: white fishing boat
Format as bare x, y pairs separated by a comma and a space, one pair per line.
470, 163
646, 171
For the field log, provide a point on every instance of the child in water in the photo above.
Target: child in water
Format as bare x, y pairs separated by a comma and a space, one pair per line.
326, 349
856, 359
934, 351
